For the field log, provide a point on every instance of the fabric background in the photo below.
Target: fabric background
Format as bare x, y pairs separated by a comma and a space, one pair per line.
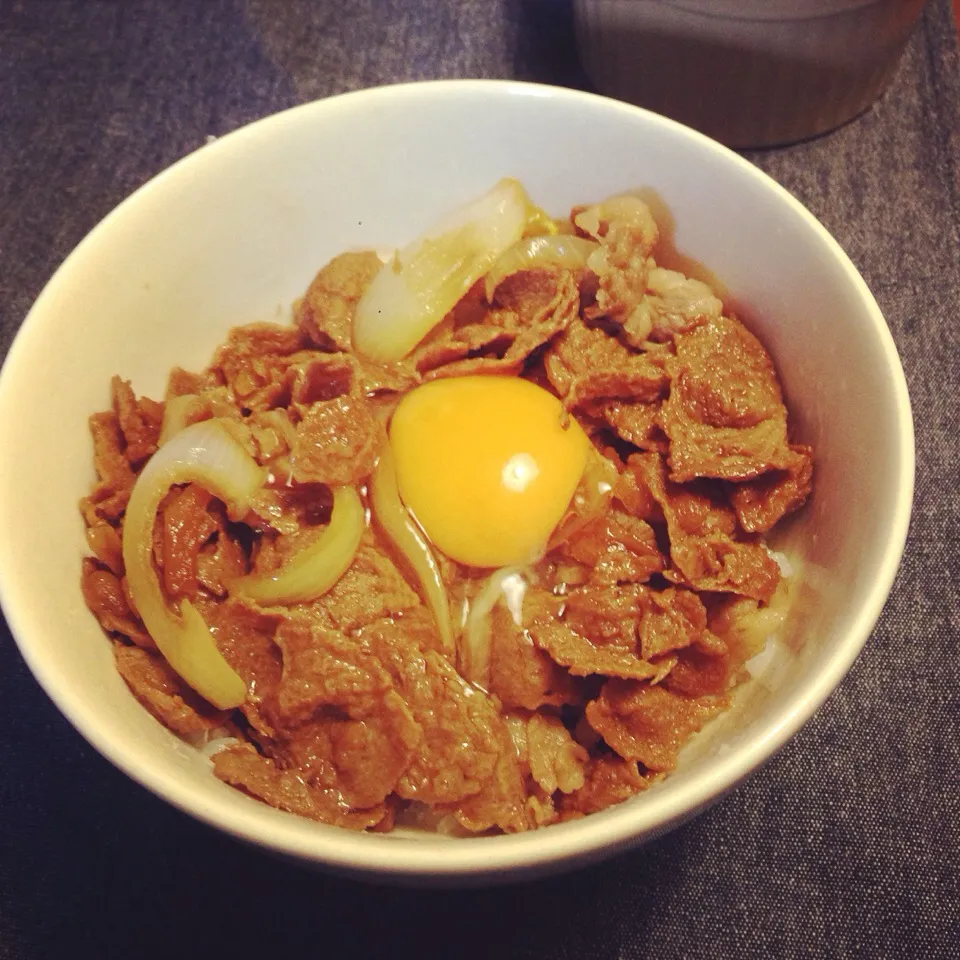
847, 844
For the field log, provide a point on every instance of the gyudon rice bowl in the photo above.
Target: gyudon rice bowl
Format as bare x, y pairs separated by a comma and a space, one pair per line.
475, 544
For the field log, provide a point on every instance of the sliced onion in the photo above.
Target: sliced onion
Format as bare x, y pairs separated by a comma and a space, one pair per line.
175, 413
531, 253
311, 572
399, 526
204, 453
419, 286
475, 642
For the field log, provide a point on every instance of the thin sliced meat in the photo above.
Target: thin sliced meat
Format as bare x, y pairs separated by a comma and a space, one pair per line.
371, 589
325, 314
164, 694
647, 723
673, 304
701, 530
605, 614
617, 548
725, 415
760, 504
585, 363
638, 423
105, 597
244, 634
627, 233
705, 668
241, 766
325, 376
532, 308
139, 421
521, 674
185, 526
361, 759
557, 761
181, 383
462, 726
108, 499
220, 561
255, 363
105, 544
501, 802
670, 620
583, 658
336, 442
609, 780
323, 668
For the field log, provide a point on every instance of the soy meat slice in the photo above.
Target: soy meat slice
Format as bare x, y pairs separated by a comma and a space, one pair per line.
585, 363
557, 761
648, 723
532, 308
325, 314
724, 415
164, 694
521, 674
609, 779
336, 442
241, 766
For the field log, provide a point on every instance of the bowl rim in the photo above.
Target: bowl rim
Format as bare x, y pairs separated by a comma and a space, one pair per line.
591, 837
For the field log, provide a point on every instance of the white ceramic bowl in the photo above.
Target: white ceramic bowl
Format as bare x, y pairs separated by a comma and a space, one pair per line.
234, 232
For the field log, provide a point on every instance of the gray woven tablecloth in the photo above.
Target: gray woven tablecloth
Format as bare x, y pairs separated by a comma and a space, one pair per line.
847, 844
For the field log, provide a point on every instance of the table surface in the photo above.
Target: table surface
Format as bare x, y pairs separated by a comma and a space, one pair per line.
847, 844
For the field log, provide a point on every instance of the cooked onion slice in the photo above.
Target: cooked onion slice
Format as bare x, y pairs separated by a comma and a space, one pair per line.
399, 526
175, 412
314, 570
415, 290
543, 252
475, 642
206, 454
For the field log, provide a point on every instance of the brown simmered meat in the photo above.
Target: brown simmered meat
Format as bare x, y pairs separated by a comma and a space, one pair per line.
627, 234
627, 635
760, 504
556, 760
701, 529
501, 802
609, 779
616, 548
372, 589
241, 766
724, 416
648, 724
674, 304
186, 527
108, 498
139, 421
521, 674
531, 309
637, 423
255, 364
325, 313
585, 363
164, 694
336, 442
105, 544
104, 595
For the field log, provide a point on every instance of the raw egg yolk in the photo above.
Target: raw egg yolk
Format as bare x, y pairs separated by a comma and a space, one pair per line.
487, 466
